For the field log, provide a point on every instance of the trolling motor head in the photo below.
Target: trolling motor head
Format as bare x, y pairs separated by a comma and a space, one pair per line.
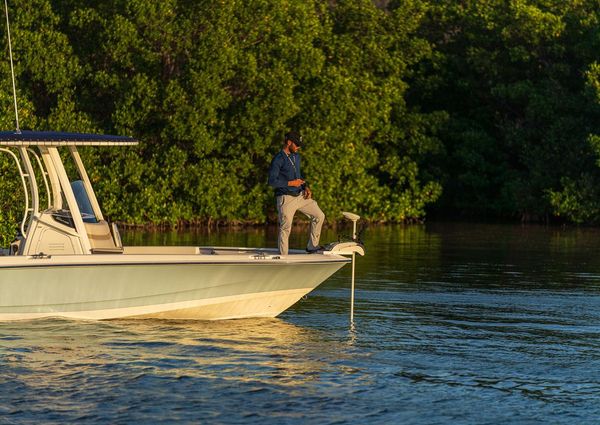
351, 216
347, 247
354, 218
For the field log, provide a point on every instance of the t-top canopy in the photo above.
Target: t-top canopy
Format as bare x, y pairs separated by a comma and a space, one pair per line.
55, 138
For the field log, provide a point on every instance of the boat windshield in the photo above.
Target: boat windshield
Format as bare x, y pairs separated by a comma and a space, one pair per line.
83, 202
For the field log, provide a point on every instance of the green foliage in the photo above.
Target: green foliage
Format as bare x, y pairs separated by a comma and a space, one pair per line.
210, 88
579, 200
511, 80
474, 107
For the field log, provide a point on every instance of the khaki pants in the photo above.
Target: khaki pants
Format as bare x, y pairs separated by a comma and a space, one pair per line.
287, 206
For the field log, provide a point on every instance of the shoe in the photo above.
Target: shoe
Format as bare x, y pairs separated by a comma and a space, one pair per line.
315, 250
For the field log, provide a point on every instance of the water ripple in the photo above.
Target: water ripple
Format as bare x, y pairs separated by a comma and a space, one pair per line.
457, 324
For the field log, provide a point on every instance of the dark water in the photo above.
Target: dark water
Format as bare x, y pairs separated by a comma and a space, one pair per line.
455, 324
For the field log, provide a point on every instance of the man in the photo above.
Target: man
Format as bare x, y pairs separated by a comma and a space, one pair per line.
293, 194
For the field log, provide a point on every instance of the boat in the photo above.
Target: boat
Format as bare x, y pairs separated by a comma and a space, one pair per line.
68, 260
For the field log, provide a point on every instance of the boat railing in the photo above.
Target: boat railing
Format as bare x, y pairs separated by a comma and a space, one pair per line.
44, 174
23, 175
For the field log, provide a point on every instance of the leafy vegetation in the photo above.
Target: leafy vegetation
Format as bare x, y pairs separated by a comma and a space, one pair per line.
477, 108
512, 76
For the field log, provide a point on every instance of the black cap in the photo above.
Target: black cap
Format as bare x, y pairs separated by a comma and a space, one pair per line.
294, 137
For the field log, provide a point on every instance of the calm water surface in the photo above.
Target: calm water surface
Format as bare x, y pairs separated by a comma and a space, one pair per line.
455, 324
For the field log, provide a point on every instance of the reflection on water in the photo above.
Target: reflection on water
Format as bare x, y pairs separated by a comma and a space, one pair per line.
198, 349
455, 323
69, 367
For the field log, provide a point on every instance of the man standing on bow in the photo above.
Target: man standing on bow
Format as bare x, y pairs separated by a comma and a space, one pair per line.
293, 194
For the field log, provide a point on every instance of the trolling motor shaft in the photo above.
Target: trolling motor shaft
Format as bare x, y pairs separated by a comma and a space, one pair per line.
349, 248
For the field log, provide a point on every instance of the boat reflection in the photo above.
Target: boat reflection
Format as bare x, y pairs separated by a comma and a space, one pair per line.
60, 352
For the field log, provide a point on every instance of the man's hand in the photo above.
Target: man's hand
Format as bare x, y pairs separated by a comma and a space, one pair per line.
296, 183
307, 193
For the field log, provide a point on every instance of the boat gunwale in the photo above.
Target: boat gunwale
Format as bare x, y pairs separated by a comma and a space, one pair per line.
159, 260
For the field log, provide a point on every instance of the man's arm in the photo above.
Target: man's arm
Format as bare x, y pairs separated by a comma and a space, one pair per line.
275, 179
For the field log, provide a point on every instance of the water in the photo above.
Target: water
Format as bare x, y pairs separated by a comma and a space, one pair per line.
455, 323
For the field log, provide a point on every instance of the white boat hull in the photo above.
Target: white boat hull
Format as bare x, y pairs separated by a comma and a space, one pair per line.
69, 261
158, 286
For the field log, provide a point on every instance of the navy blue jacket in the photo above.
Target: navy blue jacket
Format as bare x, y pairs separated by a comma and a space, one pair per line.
282, 170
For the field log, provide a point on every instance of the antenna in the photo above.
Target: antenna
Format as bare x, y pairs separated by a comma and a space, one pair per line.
12, 70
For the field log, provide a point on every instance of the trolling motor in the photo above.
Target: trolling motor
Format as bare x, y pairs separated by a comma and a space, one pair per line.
352, 247
347, 245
